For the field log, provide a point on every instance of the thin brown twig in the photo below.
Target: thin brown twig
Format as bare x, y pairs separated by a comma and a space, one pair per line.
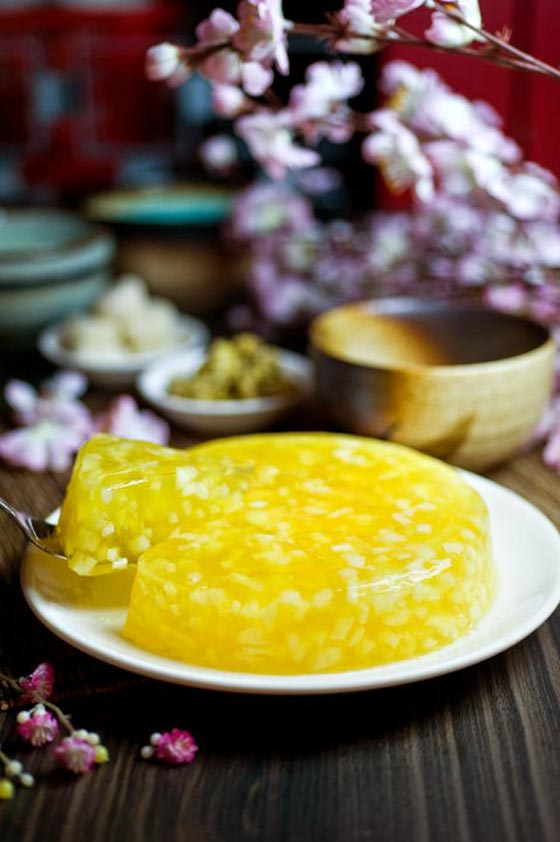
410, 40
14, 684
502, 52
504, 46
62, 718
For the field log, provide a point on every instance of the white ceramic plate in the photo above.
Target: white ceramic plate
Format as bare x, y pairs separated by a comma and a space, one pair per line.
89, 613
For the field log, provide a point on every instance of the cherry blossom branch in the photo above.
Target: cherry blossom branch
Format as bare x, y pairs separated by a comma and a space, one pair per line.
519, 58
515, 58
12, 770
81, 750
417, 143
38, 697
408, 40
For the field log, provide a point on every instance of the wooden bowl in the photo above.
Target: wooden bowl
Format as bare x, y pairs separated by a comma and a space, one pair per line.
458, 381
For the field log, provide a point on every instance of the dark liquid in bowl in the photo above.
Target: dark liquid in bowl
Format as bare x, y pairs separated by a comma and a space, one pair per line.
414, 332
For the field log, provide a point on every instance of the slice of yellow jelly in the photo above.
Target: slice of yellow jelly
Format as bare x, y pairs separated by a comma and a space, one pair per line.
127, 496
284, 553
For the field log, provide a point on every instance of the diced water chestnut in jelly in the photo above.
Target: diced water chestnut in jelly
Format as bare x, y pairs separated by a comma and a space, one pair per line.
283, 553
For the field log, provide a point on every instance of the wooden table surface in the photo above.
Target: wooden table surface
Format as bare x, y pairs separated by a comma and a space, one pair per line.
471, 756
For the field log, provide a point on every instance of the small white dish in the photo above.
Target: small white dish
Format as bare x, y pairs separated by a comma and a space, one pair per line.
110, 372
222, 417
89, 613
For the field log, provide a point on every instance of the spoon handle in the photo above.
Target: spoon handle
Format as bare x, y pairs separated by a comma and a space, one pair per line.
39, 532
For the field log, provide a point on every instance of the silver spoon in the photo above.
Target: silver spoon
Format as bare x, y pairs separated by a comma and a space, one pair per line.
39, 532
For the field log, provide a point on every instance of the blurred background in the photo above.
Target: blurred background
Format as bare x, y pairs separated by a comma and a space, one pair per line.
78, 118
77, 114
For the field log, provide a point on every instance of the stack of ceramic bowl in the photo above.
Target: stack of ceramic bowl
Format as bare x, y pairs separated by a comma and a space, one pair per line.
52, 264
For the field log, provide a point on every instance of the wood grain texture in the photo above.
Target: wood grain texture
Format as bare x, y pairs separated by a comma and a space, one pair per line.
472, 756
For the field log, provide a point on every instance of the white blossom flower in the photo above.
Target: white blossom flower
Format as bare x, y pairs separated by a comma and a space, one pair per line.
271, 142
218, 28
167, 62
228, 100
390, 10
357, 30
318, 107
446, 32
262, 33
399, 155
219, 154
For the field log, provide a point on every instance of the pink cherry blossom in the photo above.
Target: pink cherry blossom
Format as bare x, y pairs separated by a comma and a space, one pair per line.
221, 66
356, 29
390, 10
56, 398
229, 52
548, 424
46, 445
285, 299
38, 686
271, 142
512, 298
218, 29
531, 193
464, 172
65, 385
429, 107
403, 76
167, 62
228, 100
76, 755
162, 61
255, 78
461, 171
551, 452
56, 424
219, 154
225, 68
123, 418
242, 53
174, 748
543, 239
446, 32
318, 107
23, 399
269, 207
37, 727
262, 33
399, 154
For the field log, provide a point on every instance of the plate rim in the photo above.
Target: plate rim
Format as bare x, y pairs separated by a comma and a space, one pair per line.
381, 676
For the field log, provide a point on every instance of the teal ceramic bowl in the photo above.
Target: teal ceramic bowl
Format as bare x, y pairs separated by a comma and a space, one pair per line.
52, 264
171, 235
166, 207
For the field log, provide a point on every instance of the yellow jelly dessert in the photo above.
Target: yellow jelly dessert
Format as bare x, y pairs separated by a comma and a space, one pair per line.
283, 553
